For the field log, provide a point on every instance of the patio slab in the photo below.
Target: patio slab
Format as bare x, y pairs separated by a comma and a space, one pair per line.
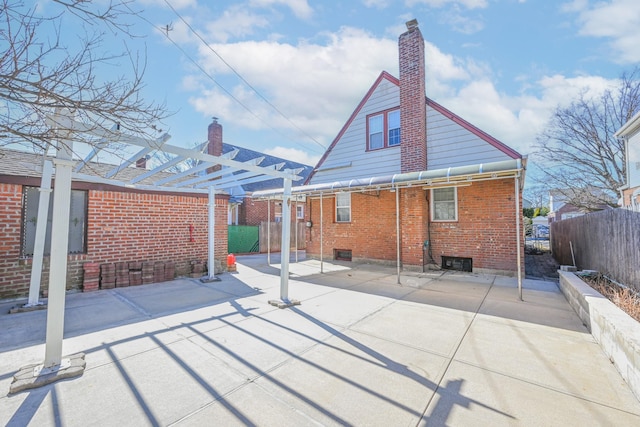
359, 350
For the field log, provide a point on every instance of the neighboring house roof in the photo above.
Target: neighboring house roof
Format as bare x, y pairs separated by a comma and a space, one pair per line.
245, 154
450, 138
29, 165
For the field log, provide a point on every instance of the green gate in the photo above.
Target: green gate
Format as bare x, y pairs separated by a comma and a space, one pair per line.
243, 239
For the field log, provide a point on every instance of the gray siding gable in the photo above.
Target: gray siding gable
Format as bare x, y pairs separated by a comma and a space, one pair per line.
451, 141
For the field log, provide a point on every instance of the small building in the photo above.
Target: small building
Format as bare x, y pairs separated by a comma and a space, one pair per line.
630, 192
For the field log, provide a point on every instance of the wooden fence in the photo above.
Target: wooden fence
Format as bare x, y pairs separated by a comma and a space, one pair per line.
606, 241
275, 236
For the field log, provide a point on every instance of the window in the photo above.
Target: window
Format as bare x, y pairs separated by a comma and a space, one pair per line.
300, 211
393, 120
77, 221
383, 130
444, 204
278, 212
376, 127
343, 207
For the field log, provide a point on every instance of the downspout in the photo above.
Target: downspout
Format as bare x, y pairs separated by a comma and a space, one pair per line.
269, 231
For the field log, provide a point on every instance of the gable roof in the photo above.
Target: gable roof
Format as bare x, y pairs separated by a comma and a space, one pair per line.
245, 154
385, 76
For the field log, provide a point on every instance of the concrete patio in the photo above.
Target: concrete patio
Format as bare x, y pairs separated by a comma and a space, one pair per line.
439, 349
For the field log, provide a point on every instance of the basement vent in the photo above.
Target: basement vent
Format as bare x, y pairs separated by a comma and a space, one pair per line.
457, 263
342, 254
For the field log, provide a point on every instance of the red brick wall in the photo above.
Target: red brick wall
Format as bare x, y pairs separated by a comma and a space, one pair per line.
122, 226
254, 212
413, 107
485, 230
371, 234
153, 227
486, 227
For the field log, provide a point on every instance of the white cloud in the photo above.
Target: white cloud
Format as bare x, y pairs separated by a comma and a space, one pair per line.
300, 8
293, 154
617, 20
469, 4
317, 86
378, 4
236, 21
177, 4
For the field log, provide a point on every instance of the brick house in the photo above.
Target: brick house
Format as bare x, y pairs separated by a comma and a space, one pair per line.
407, 181
630, 192
108, 224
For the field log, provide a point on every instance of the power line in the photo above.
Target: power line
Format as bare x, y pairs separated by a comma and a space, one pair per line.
166, 33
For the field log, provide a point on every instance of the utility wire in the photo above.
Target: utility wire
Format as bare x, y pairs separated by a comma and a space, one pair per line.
166, 34
211, 77
240, 76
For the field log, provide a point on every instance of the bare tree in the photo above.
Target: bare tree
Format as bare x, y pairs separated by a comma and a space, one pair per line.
40, 73
584, 161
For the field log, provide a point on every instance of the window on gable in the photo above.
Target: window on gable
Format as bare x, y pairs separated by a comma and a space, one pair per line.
444, 204
383, 130
376, 127
77, 221
393, 120
343, 207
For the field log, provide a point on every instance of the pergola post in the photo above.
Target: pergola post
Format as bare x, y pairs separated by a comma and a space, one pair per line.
59, 254
286, 241
211, 237
41, 231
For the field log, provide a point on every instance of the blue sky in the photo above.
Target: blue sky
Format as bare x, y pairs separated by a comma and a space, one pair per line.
502, 65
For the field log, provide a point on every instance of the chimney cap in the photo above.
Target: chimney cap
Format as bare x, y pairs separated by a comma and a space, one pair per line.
412, 24
215, 119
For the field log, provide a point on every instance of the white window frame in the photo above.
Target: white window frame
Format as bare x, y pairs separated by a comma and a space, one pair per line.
389, 128
300, 211
371, 131
347, 197
433, 205
384, 132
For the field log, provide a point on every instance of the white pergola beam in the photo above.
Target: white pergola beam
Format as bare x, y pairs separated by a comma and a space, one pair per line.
180, 151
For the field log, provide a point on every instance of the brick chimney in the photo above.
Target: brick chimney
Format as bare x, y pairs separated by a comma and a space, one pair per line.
413, 107
214, 147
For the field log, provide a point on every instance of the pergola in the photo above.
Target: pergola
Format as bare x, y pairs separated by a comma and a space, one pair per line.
195, 179
460, 176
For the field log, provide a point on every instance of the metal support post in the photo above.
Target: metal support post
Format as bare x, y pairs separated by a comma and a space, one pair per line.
398, 231
321, 245
518, 248
268, 231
